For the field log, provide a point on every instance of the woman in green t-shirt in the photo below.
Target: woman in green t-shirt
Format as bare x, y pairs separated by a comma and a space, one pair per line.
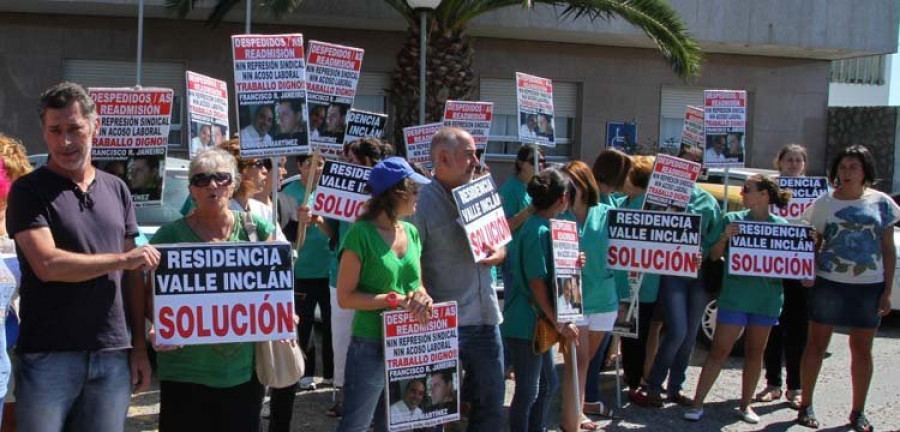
532, 269
750, 303
210, 387
379, 270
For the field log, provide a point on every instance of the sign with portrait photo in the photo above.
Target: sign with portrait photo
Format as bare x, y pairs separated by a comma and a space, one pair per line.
472, 117
568, 302
333, 73
725, 126
534, 97
207, 108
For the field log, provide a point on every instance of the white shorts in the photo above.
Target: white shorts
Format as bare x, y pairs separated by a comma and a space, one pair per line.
599, 321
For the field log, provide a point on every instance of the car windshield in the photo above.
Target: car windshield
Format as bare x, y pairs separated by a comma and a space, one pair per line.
175, 193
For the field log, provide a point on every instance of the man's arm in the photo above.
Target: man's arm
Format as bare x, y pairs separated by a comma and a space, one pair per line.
134, 292
52, 264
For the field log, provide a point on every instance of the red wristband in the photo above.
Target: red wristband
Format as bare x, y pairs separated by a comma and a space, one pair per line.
393, 300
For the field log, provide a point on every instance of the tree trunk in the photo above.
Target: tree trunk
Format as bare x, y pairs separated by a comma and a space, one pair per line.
448, 76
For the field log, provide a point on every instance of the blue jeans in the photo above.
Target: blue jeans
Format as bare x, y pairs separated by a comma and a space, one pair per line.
683, 301
536, 381
481, 358
364, 387
73, 390
595, 367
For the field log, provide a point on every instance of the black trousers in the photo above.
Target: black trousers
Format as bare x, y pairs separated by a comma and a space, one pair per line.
310, 293
193, 407
788, 339
634, 351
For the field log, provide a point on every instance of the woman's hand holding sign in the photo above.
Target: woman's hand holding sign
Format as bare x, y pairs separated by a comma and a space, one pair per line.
419, 304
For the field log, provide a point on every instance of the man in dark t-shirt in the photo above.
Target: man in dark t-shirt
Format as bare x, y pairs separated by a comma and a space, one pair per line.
74, 228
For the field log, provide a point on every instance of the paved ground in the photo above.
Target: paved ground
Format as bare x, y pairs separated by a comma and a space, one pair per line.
832, 406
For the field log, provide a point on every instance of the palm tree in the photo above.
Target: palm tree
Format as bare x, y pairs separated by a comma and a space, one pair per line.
449, 71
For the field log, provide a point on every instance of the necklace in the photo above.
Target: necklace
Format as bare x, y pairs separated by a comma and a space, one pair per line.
211, 235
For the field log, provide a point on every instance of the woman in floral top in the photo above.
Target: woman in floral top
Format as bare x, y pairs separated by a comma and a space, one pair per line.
854, 275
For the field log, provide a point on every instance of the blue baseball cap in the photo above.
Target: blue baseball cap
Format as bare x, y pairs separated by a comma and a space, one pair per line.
391, 171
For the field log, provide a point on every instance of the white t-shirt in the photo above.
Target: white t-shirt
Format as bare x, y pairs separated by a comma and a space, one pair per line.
400, 412
851, 233
250, 137
262, 211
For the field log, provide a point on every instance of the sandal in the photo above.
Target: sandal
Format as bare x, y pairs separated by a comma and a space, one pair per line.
807, 417
769, 394
860, 423
599, 409
794, 398
588, 425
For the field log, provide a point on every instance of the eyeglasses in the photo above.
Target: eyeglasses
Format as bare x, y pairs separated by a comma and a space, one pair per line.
204, 179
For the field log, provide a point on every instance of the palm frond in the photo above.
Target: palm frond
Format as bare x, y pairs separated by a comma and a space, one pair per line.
180, 7
276, 7
655, 17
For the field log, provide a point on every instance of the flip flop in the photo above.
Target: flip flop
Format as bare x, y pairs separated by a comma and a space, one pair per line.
588, 425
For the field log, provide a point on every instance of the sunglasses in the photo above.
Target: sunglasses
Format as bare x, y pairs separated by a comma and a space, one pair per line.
541, 161
204, 179
748, 189
262, 163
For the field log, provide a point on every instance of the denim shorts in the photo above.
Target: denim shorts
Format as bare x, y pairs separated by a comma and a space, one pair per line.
740, 318
843, 304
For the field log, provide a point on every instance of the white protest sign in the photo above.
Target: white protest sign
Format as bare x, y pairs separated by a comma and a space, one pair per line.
333, 73
482, 215
671, 183
207, 108
534, 97
804, 192
270, 88
772, 250
473, 117
569, 305
421, 359
363, 124
223, 292
692, 135
418, 142
725, 125
133, 138
341, 192
654, 242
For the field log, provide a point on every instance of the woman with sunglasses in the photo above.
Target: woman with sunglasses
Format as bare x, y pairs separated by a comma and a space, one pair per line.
788, 338
748, 304
598, 288
254, 175
854, 276
210, 387
528, 298
380, 270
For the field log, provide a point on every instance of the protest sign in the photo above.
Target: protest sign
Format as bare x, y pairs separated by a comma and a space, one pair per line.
567, 286
654, 242
482, 215
627, 324
418, 142
341, 192
421, 360
772, 250
804, 192
534, 96
473, 117
725, 125
671, 183
622, 136
207, 108
333, 73
133, 138
362, 124
693, 139
207, 293
270, 81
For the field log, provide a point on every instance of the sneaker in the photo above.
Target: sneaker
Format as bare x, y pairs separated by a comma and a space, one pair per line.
693, 414
328, 382
748, 415
307, 383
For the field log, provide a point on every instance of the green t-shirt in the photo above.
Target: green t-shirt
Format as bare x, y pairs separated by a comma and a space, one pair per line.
650, 285
343, 227
381, 271
514, 196
314, 258
751, 294
704, 204
518, 314
215, 365
598, 284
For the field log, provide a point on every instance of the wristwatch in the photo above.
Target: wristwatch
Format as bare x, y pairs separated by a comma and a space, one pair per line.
393, 300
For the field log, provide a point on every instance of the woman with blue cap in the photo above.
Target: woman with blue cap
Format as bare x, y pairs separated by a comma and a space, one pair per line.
379, 271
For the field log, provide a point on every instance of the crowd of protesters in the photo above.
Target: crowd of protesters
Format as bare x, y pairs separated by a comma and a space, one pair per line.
72, 228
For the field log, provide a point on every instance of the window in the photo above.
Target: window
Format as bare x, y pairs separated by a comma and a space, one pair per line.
104, 73
672, 106
860, 70
504, 137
